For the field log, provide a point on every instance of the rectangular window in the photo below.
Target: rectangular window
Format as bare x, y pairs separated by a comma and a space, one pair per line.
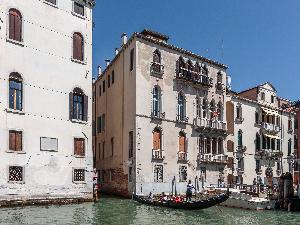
131, 59
49, 144
103, 85
16, 174
278, 144
130, 145
263, 96
100, 90
53, 2
113, 77
78, 8
108, 81
203, 173
78, 175
272, 99
158, 173
15, 95
182, 173
15, 140
79, 146
258, 165
103, 150
130, 174
99, 125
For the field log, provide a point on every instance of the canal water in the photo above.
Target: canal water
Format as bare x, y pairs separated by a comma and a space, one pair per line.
115, 211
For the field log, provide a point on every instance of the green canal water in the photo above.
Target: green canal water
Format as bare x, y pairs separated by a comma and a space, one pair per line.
115, 211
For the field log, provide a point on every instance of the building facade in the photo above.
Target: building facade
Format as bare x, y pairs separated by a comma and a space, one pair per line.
46, 93
159, 118
260, 141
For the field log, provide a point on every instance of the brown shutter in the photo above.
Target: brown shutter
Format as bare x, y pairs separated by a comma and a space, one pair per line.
85, 107
181, 144
75, 46
156, 140
75, 147
12, 140
230, 117
230, 146
18, 141
11, 26
230, 162
71, 106
82, 147
18, 28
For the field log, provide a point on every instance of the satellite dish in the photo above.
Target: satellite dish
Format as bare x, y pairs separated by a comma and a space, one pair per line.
229, 82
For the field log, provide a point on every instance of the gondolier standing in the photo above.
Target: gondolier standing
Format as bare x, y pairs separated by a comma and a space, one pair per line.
189, 191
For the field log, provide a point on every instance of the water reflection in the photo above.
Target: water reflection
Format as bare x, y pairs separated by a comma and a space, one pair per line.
114, 211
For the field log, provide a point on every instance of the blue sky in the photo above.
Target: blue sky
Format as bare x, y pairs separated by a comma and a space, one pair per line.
261, 38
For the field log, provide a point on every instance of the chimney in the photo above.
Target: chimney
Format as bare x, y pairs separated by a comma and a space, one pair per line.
124, 38
116, 51
107, 61
99, 71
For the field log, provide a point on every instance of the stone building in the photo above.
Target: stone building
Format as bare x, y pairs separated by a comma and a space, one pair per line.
260, 135
159, 118
46, 77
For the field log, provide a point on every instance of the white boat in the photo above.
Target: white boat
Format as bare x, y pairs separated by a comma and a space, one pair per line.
238, 199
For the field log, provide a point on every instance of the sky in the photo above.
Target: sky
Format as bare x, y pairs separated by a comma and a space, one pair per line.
259, 40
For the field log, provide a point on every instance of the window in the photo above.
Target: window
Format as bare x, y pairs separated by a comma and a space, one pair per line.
49, 144
78, 8
220, 146
112, 146
278, 144
290, 125
15, 92
256, 117
156, 101
181, 107
230, 146
78, 105
103, 85
258, 165
103, 122
130, 174
156, 139
53, 2
272, 99
103, 150
158, 173
278, 167
262, 96
79, 146
214, 146
15, 25
240, 164
257, 142
240, 138
78, 175
130, 144
239, 111
220, 111
15, 140
157, 56
198, 107
100, 90
289, 147
208, 145
182, 147
212, 109
16, 174
99, 124
204, 108
131, 59
108, 81
201, 144
78, 47
113, 77
203, 174
182, 173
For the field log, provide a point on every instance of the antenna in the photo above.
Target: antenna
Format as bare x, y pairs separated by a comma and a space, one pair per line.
222, 49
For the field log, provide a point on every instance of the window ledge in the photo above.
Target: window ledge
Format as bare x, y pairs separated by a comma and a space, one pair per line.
78, 121
48, 150
79, 61
79, 156
78, 15
15, 152
79, 182
16, 182
20, 112
20, 43
49, 3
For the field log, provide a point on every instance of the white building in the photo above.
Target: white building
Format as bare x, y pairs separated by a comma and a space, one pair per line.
160, 118
261, 136
45, 80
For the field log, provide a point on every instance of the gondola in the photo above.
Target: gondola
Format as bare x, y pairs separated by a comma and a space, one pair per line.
191, 205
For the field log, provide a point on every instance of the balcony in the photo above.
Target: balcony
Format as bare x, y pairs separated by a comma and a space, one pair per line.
220, 87
269, 127
209, 158
194, 77
157, 70
201, 123
158, 115
182, 156
157, 154
182, 119
268, 154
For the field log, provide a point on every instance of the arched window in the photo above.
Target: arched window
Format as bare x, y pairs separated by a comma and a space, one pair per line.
212, 109
182, 142
204, 108
220, 146
201, 144
264, 144
78, 105
208, 145
78, 46
220, 111
15, 25
290, 124
239, 111
240, 138
157, 56
156, 139
289, 147
181, 107
256, 117
198, 107
15, 91
214, 146
156, 101
257, 142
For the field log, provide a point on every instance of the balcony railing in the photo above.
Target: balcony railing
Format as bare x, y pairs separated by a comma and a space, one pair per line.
182, 156
268, 154
270, 127
196, 78
158, 115
157, 69
209, 158
182, 119
207, 123
157, 154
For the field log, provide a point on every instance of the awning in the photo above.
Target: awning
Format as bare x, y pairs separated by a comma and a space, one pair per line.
269, 111
271, 136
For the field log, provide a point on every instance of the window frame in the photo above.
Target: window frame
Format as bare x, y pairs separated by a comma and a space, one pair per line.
156, 178
55, 5
84, 147
23, 174
8, 39
16, 77
83, 61
73, 175
84, 16
22, 151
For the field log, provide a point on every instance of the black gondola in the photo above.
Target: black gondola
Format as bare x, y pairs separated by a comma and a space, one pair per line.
192, 205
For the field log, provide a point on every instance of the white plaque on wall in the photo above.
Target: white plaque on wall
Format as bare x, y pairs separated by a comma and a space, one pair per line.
49, 144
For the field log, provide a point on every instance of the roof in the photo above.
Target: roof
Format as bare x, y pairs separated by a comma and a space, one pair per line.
257, 86
155, 34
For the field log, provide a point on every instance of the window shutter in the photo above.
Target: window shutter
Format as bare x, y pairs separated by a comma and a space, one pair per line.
18, 141
75, 147
181, 143
12, 141
85, 107
230, 162
11, 26
76, 42
156, 140
18, 28
71, 105
82, 147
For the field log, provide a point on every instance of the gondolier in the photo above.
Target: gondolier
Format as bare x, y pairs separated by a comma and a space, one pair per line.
189, 191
